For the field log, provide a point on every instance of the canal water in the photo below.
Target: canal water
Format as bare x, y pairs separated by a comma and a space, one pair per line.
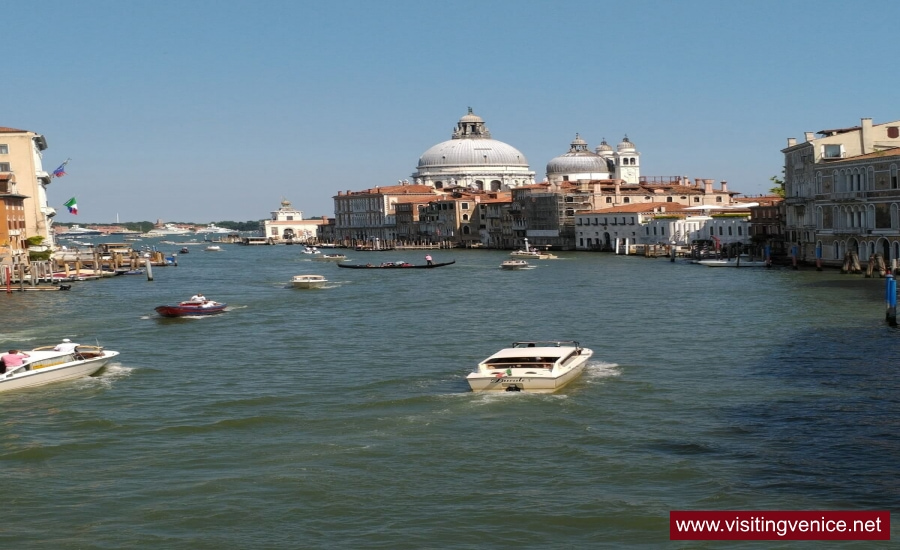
341, 418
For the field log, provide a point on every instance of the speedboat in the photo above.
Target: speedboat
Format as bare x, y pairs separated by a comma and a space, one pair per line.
311, 250
213, 248
511, 265
191, 309
308, 281
46, 365
529, 252
330, 257
537, 367
742, 261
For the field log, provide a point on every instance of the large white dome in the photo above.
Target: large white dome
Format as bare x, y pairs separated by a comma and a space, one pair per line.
471, 153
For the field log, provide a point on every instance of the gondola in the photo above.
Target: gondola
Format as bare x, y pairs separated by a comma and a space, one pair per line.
395, 265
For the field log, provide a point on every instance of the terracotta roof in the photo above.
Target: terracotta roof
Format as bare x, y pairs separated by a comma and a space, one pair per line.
6, 130
414, 199
643, 207
893, 151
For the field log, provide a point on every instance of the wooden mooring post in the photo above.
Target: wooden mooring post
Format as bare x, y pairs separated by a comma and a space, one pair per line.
891, 300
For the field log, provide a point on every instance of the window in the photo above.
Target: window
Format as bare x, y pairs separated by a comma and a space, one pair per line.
893, 176
627, 200
4, 149
668, 199
718, 199
464, 206
832, 151
4, 167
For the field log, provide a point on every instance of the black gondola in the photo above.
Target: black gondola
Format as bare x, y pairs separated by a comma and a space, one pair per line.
395, 265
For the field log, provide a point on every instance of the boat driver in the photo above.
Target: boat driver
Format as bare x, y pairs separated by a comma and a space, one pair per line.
198, 298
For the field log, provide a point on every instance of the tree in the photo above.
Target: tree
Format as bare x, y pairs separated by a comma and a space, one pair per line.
779, 186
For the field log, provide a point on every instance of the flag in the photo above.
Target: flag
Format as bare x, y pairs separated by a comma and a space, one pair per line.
72, 205
61, 171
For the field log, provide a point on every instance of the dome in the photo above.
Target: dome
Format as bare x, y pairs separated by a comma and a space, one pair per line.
626, 146
604, 148
471, 117
472, 152
579, 160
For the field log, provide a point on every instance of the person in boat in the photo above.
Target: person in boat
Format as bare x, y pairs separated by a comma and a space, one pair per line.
12, 358
428, 259
208, 303
198, 298
66, 346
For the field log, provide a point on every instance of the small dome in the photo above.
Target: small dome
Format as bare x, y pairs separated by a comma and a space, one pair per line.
604, 147
626, 146
578, 160
471, 117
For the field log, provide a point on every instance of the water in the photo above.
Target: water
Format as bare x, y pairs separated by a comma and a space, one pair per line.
340, 418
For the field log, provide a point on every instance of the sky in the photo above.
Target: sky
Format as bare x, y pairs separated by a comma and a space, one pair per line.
216, 110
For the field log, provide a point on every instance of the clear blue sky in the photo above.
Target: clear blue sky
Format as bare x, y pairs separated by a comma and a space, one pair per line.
215, 110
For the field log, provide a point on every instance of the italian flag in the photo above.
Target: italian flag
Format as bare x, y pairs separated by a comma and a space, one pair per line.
72, 205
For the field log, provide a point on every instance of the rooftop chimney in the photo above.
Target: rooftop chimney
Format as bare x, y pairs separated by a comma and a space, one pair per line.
808, 136
792, 142
865, 136
707, 187
724, 186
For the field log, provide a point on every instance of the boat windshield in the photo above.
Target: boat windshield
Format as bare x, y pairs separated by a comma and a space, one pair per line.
546, 344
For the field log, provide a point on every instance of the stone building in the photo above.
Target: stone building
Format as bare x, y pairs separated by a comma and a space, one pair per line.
21, 154
835, 186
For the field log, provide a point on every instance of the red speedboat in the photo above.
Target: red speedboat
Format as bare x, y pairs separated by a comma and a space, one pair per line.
191, 309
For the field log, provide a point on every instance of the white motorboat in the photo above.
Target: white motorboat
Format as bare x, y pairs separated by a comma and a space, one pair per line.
213, 248
529, 252
308, 281
538, 367
311, 250
512, 265
742, 261
330, 258
46, 365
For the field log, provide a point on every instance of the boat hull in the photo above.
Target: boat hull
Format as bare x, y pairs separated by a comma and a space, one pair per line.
49, 375
189, 311
732, 263
527, 383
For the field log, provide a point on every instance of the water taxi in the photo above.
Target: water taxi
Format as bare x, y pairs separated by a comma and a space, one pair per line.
308, 281
45, 365
535, 366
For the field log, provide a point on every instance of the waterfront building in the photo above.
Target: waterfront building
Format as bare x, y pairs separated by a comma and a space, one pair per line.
12, 222
474, 160
21, 153
838, 192
369, 216
767, 224
857, 207
495, 220
287, 225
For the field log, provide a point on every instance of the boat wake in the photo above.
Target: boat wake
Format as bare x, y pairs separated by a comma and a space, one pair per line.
598, 371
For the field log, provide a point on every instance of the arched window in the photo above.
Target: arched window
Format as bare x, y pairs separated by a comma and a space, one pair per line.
894, 182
